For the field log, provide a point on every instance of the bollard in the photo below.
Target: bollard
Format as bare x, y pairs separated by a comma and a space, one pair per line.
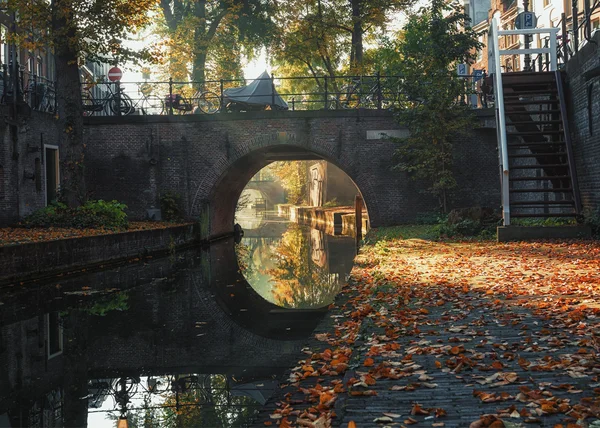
358, 207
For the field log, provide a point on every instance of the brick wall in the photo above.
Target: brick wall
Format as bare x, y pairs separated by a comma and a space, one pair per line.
584, 115
209, 159
20, 196
55, 256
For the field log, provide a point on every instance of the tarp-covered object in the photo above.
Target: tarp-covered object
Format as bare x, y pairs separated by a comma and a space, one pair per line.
257, 93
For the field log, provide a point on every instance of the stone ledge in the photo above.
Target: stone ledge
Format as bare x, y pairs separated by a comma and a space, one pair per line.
526, 233
40, 259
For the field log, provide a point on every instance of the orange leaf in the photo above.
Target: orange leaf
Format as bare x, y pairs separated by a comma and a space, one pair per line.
369, 362
351, 424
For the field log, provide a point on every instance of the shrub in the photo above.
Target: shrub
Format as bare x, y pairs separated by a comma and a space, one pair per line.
93, 214
592, 219
170, 206
331, 203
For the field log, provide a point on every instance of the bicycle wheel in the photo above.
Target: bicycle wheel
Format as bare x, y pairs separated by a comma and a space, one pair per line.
349, 98
152, 105
208, 102
88, 105
123, 104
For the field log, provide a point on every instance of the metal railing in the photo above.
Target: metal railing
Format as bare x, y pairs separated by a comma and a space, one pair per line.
36, 91
494, 62
376, 92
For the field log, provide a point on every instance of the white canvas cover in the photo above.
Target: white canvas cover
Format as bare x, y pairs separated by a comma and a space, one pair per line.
258, 93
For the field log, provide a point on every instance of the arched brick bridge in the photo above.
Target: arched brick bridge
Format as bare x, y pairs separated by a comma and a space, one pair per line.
208, 159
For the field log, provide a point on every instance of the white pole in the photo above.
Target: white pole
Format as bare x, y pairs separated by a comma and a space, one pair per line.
502, 143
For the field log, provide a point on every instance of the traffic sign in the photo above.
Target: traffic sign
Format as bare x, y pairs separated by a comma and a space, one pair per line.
525, 21
462, 70
115, 74
477, 75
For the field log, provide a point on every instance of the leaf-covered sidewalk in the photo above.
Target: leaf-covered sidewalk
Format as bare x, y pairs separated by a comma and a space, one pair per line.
16, 236
465, 334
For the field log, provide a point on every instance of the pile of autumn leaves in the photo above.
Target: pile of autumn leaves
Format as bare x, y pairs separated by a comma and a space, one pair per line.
555, 282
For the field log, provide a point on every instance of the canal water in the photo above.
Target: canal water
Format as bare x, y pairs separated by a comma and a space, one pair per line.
190, 340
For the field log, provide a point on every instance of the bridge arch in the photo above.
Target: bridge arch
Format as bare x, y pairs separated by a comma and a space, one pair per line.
235, 175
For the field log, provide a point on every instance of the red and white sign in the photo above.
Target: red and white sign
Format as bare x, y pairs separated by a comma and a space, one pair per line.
115, 74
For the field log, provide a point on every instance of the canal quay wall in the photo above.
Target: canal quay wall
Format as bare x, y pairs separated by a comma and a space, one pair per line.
583, 87
333, 221
38, 259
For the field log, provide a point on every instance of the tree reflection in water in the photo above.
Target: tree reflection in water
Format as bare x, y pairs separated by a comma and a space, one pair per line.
293, 271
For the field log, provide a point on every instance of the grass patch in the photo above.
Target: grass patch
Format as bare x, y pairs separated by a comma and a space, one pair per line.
404, 231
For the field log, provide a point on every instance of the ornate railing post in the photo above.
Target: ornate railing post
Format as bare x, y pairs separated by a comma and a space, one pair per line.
170, 95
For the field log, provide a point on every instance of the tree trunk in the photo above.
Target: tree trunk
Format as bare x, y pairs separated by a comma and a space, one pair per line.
70, 109
357, 36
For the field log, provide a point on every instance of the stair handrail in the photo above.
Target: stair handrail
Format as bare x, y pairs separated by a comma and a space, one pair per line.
494, 57
495, 68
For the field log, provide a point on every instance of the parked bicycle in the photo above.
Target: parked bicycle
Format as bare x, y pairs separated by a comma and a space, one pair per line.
116, 102
147, 103
41, 96
206, 102
367, 94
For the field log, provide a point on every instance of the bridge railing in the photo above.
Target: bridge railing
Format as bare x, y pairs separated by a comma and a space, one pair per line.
376, 92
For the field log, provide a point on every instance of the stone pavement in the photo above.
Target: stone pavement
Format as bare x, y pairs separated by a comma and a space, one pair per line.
394, 352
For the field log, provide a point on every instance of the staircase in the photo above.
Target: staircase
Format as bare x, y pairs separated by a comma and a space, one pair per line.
542, 179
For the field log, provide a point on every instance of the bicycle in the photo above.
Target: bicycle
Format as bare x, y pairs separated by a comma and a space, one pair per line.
148, 103
206, 102
354, 95
41, 96
117, 102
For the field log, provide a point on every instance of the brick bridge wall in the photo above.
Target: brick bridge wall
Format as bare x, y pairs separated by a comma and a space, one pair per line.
209, 159
584, 117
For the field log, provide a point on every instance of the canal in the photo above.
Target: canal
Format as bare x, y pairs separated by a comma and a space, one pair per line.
196, 339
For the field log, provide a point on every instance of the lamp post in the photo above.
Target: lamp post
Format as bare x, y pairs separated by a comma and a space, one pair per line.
122, 398
527, 59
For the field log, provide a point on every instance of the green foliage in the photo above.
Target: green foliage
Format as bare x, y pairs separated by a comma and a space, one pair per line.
171, 206
114, 302
549, 221
592, 219
463, 228
294, 180
434, 41
331, 203
93, 214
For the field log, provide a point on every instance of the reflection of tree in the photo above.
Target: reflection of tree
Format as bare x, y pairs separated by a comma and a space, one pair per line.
203, 400
298, 282
208, 403
244, 257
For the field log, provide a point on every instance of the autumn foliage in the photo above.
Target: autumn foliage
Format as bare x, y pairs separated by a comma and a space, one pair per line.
478, 334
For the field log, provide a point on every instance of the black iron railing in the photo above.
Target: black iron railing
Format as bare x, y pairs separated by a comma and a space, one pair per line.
172, 97
35, 91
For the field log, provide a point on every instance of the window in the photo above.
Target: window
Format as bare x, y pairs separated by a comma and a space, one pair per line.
31, 64
54, 334
40, 67
3, 45
546, 3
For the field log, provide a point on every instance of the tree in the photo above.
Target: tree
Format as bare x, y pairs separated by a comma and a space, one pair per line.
325, 35
293, 176
76, 31
433, 42
200, 32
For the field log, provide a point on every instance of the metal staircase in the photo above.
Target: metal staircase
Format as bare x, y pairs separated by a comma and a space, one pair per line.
536, 157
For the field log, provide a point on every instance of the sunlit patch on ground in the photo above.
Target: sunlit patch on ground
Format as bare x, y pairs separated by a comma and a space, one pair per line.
455, 334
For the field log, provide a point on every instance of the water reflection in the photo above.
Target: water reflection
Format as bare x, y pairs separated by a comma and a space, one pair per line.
291, 265
166, 342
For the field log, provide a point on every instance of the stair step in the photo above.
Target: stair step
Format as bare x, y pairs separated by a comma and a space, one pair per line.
558, 177
557, 190
531, 93
528, 102
533, 112
547, 143
535, 122
521, 203
553, 165
535, 155
540, 132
